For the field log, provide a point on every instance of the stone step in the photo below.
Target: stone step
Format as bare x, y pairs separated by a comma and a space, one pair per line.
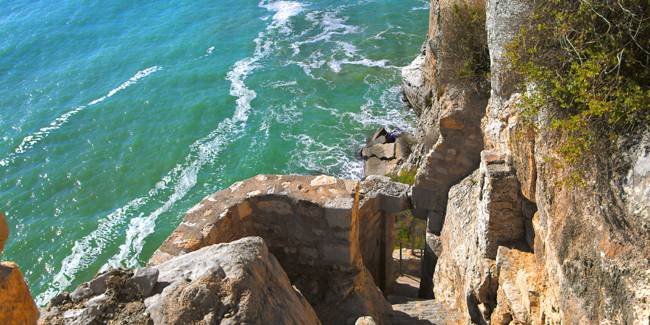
417, 312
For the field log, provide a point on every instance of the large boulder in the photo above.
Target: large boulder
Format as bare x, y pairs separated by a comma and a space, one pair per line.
519, 288
232, 283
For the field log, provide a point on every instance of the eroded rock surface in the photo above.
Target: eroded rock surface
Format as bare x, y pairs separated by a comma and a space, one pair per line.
449, 126
232, 283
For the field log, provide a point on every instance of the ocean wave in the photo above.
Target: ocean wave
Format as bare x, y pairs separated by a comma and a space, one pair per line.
389, 112
329, 24
336, 65
31, 140
284, 10
318, 157
85, 250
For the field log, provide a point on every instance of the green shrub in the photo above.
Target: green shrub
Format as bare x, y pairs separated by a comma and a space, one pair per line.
467, 44
410, 231
404, 176
588, 63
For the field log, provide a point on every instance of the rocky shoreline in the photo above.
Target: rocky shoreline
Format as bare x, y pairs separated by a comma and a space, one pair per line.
506, 241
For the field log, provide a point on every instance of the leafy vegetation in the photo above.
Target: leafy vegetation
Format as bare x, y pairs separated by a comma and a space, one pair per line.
410, 230
587, 63
405, 176
468, 45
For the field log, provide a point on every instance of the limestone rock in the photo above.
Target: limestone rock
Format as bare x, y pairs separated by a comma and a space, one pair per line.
144, 280
465, 278
381, 151
366, 320
417, 89
234, 283
518, 296
82, 292
376, 166
16, 304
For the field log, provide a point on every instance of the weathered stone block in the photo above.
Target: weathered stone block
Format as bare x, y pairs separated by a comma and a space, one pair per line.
338, 254
275, 207
381, 151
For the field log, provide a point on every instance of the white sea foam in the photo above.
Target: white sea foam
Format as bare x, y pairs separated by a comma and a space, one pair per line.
284, 10
31, 140
425, 6
85, 250
318, 157
336, 65
388, 112
330, 24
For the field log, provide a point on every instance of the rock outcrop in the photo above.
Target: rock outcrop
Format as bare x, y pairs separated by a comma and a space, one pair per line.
233, 283
512, 242
449, 127
385, 151
17, 306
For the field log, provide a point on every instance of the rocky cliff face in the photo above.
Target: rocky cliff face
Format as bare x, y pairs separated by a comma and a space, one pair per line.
511, 242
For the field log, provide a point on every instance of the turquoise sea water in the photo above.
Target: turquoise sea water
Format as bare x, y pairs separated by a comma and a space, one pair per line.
118, 116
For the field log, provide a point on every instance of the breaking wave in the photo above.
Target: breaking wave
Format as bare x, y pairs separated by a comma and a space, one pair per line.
31, 140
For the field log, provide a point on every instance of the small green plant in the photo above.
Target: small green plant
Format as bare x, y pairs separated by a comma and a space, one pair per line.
410, 231
405, 176
587, 63
465, 22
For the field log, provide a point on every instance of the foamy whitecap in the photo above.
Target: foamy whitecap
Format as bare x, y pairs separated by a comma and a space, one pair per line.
318, 157
85, 250
284, 10
425, 6
31, 140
